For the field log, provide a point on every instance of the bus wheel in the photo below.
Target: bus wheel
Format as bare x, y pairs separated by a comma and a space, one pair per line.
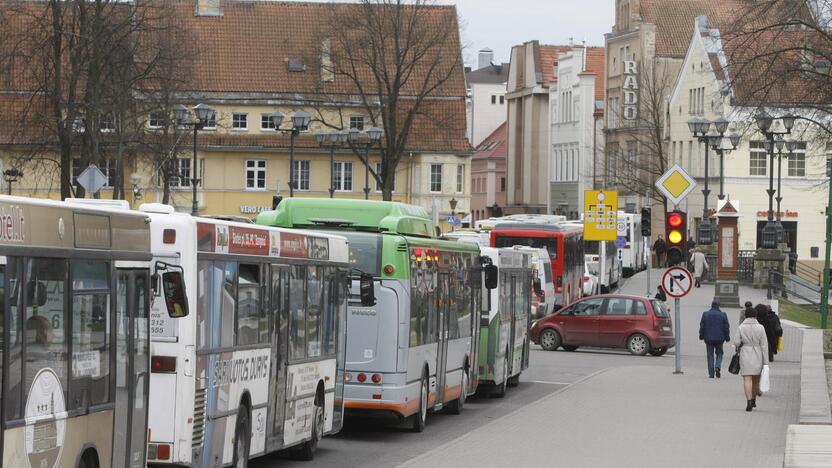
549, 339
242, 441
500, 390
459, 403
308, 448
421, 415
88, 460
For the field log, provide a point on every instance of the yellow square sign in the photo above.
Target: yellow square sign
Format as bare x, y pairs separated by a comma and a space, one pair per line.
600, 215
675, 184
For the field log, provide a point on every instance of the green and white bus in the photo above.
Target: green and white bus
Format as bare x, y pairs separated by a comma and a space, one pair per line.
76, 285
415, 350
504, 337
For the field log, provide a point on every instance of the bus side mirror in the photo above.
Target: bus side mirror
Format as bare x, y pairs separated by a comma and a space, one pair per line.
490, 276
173, 287
367, 290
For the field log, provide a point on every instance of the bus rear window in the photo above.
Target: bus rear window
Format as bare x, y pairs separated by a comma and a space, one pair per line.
365, 251
548, 243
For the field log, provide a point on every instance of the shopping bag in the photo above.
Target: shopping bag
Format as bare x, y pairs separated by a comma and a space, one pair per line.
779, 344
734, 367
765, 381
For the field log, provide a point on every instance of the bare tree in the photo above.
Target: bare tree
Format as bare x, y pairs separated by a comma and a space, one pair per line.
633, 163
399, 58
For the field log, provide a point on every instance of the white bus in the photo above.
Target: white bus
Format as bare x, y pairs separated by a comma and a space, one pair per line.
602, 260
77, 283
258, 366
633, 255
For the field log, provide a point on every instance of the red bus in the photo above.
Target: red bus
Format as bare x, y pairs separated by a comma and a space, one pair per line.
565, 244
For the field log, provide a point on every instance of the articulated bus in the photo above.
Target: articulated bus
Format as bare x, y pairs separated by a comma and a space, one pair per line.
504, 341
565, 243
415, 349
77, 285
258, 365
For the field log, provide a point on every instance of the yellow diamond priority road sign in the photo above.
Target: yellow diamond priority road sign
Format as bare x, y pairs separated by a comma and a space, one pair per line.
676, 184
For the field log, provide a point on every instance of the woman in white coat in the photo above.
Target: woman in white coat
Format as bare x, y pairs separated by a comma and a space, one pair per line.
700, 264
753, 348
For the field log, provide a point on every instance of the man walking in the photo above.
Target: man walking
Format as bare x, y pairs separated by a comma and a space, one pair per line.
714, 330
659, 248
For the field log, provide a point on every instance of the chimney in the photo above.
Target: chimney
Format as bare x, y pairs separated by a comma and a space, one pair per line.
208, 8
486, 56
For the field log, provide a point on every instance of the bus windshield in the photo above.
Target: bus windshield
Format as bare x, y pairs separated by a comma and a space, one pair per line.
549, 243
365, 251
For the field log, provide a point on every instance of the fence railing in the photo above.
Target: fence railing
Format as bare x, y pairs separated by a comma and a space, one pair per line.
809, 273
745, 267
794, 288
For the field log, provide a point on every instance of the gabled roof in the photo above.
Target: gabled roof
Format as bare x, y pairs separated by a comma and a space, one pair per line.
546, 59
494, 145
596, 64
492, 74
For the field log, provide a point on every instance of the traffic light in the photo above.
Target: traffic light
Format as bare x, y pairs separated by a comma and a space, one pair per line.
645, 222
675, 228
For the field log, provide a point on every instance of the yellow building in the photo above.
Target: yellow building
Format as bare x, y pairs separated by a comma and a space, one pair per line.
258, 62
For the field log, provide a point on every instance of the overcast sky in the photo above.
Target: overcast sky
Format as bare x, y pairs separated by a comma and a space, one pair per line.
500, 24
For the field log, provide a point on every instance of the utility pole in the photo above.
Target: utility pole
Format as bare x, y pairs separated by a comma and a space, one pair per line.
824, 294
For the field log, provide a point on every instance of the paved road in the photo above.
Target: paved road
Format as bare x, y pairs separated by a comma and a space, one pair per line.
587, 392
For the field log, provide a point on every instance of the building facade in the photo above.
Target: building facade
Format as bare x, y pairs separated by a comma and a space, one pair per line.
532, 70
488, 176
576, 113
243, 162
705, 89
487, 97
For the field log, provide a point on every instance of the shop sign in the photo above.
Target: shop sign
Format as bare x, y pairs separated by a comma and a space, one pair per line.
782, 214
630, 89
251, 209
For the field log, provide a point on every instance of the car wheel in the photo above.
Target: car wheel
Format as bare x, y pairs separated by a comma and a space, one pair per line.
421, 416
658, 351
549, 339
569, 348
638, 344
500, 390
241, 440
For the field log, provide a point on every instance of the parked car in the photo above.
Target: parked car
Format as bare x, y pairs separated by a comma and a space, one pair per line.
641, 325
590, 282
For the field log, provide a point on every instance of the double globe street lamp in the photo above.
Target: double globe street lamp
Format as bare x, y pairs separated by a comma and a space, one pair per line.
773, 230
200, 118
372, 136
300, 123
332, 140
701, 130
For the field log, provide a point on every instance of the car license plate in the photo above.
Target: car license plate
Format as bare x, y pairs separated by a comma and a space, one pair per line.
665, 328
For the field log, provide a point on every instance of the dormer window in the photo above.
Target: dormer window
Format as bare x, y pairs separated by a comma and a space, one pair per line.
297, 66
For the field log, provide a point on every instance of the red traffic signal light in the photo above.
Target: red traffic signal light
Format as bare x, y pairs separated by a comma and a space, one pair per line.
676, 235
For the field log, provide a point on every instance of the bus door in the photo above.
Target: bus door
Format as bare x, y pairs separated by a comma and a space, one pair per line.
512, 340
132, 378
442, 339
279, 304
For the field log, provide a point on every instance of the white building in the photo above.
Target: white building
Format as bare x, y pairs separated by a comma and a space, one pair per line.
486, 97
705, 89
576, 138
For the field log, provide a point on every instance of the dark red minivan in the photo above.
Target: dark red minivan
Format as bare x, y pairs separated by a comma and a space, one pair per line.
639, 324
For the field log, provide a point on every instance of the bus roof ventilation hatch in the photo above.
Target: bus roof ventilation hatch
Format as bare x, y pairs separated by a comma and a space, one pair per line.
156, 208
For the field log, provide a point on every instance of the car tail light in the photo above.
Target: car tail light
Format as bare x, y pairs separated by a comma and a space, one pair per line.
594, 258
163, 452
586, 278
655, 322
376, 378
163, 364
362, 377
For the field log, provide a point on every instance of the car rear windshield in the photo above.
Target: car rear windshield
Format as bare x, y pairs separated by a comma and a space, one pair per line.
659, 309
548, 243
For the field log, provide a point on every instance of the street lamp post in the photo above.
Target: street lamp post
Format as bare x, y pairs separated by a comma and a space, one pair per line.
204, 115
701, 129
453, 202
300, 122
374, 135
772, 231
331, 140
11, 175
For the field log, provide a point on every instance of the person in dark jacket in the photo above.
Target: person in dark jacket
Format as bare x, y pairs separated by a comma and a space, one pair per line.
660, 249
660, 294
714, 330
774, 329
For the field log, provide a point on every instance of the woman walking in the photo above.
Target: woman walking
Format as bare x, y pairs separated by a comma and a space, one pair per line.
752, 345
699, 264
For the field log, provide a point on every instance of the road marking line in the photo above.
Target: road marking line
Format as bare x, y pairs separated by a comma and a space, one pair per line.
549, 383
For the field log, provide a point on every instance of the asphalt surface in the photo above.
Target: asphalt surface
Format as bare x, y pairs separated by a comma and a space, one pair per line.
554, 380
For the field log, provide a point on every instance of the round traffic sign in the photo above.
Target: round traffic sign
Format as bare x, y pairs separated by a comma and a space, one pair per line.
677, 282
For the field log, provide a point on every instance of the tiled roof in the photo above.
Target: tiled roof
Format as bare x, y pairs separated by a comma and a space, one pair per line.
494, 145
547, 58
245, 52
675, 18
492, 74
596, 64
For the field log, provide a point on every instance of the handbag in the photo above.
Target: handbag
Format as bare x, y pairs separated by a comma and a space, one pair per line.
734, 367
779, 344
765, 379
